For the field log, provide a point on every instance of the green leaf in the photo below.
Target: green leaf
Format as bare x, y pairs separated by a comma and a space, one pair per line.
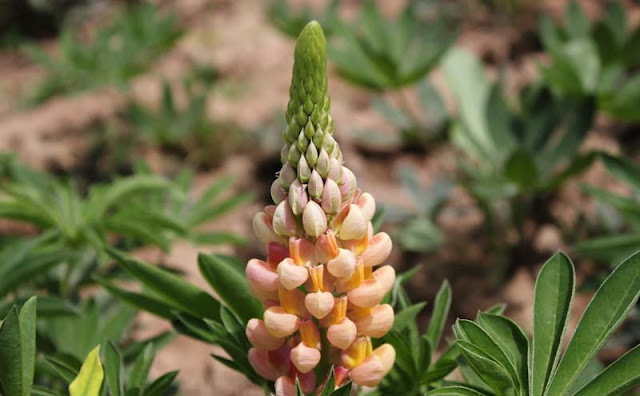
439, 314
159, 386
230, 285
623, 169
141, 367
605, 312
576, 21
344, 390
554, 291
18, 349
616, 379
89, 380
489, 370
407, 316
63, 366
511, 340
139, 300
456, 390
330, 384
27, 320
177, 292
521, 169
469, 331
113, 370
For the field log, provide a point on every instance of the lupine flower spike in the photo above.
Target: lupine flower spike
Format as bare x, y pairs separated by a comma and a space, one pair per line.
321, 294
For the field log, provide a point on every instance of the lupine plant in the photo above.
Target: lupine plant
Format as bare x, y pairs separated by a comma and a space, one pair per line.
21, 373
119, 51
515, 158
321, 252
597, 59
501, 360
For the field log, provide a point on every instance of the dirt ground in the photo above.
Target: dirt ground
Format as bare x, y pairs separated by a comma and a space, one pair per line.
255, 60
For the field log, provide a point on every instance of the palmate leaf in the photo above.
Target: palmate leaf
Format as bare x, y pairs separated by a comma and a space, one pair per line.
615, 297
173, 290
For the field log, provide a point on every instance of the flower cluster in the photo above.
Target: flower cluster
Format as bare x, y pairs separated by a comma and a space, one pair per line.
321, 294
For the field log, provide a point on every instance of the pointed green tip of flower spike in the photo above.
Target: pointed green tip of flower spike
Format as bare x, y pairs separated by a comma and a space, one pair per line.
308, 140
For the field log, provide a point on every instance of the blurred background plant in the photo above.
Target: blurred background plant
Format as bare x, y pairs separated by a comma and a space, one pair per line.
120, 50
595, 59
291, 21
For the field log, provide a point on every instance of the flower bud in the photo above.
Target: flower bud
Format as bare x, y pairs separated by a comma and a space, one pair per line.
260, 338
348, 185
319, 304
335, 170
294, 154
326, 247
386, 276
378, 250
305, 358
315, 185
291, 275
260, 276
284, 154
262, 227
322, 165
367, 206
304, 171
314, 220
341, 335
284, 221
287, 175
374, 367
302, 252
331, 197
292, 301
353, 224
343, 265
311, 154
285, 386
297, 197
278, 194
259, 360
279, 323
377, 323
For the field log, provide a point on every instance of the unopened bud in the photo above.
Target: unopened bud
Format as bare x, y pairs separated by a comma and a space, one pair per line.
278, 194
314, 220
297, 197
262, 227
260, 276
348, 185
287, 175
259, 359
284, 221
323, 163
331, 197
315, 185
304, 171
311, 154
335, 170
284, 154
261, 338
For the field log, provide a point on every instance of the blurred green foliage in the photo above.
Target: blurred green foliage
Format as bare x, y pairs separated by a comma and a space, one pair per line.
383, 54
122, 49
290, 22
598, 59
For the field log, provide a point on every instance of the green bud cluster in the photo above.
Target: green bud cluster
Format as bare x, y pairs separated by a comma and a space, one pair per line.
309, 142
